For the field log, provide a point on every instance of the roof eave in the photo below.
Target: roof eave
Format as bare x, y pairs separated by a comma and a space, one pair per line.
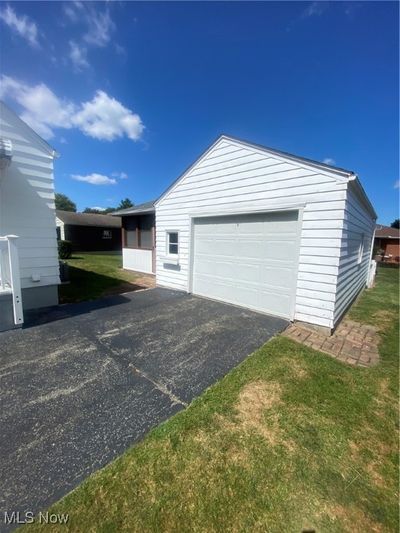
139, 212
355, 179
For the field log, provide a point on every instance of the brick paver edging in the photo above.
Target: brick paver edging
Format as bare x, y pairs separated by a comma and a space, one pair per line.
352, 342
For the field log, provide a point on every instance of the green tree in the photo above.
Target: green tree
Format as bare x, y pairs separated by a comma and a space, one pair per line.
93, 210
64, 203
395, 224
124, 204
105, 211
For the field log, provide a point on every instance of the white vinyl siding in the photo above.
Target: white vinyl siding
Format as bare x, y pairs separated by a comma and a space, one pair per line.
352, 275
236, 178
27, 202
138, 260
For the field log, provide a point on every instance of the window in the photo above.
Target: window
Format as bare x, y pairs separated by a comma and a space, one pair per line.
139, 232
107, 234
361, 249
172, 242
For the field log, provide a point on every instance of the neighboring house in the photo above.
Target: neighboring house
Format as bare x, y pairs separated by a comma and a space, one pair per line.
138, 237
26, 210
89, 232
267, 230
387, 242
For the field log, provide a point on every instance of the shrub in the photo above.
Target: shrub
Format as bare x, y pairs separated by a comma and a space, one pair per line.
64, 249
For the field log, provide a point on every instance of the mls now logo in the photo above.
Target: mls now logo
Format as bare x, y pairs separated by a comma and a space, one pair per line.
16, 517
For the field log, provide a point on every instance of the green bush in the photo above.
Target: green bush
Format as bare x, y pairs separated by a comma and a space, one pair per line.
64, 249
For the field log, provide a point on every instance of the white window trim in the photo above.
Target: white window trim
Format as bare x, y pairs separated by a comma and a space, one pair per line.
172, 259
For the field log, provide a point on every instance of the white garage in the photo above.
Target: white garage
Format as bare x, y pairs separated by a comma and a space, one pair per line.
266, 230
248, 260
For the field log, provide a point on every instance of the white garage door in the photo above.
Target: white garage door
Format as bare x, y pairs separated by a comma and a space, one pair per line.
248, 260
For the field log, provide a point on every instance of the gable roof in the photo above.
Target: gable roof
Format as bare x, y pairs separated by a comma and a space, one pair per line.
339, 172
386, 232
45, 145
88, 219
335, 172
146, 207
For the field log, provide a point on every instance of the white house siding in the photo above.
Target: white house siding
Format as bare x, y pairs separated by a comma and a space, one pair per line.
352, 276
27, 203
235, 177
138, 260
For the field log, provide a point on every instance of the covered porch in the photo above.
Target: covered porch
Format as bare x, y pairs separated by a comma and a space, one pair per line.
138, 238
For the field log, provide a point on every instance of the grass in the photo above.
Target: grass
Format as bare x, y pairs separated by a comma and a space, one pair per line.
289, 440
93, 275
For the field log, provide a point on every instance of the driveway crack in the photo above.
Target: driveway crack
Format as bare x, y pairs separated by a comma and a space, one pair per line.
125, 362
162, 388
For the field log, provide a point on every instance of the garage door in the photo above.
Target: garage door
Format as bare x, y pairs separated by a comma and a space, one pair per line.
248, 260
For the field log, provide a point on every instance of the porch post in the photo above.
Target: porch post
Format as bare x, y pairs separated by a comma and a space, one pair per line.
15, 279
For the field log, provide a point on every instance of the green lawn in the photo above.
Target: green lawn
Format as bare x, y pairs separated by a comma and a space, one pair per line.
95, 274
289, 440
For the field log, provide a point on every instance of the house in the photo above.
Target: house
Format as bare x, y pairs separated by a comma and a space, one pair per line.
29, 270
89, 232
387, 244
138, 237
266, 230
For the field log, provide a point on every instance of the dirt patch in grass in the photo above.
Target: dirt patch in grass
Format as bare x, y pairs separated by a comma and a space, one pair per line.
295, 368
257, 413
352, 519
383, 319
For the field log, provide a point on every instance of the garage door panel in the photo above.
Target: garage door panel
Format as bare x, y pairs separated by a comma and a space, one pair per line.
216, 246
279, 277
249, 260
280, 250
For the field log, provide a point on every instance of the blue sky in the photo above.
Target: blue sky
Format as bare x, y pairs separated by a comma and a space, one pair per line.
131, 93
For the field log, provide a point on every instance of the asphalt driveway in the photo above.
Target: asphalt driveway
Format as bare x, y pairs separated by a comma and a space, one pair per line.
83, 382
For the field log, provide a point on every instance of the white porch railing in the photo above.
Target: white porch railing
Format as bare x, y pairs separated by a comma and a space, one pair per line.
10, 280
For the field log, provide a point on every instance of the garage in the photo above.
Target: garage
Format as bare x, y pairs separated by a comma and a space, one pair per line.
248, 260
264, 229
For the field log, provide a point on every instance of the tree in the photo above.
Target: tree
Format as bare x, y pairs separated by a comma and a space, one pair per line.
395, 224
64, 203
93, 210
104, 211
124, 204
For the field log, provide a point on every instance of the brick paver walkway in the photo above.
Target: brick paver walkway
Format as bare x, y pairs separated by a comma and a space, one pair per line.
352, 342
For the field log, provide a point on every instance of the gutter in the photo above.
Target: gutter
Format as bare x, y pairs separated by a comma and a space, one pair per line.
354, 177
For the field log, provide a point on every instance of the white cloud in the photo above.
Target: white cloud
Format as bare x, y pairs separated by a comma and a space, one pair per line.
98, 208
314, 9
100, 27
397, 184
103, 117
94, 179
329, 161
78, 56
106, 118
21, 25
98, 22
42, 109
73, 9
120, 175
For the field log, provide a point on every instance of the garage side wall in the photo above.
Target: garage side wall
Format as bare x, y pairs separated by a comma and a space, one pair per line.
355, 252
233, 177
